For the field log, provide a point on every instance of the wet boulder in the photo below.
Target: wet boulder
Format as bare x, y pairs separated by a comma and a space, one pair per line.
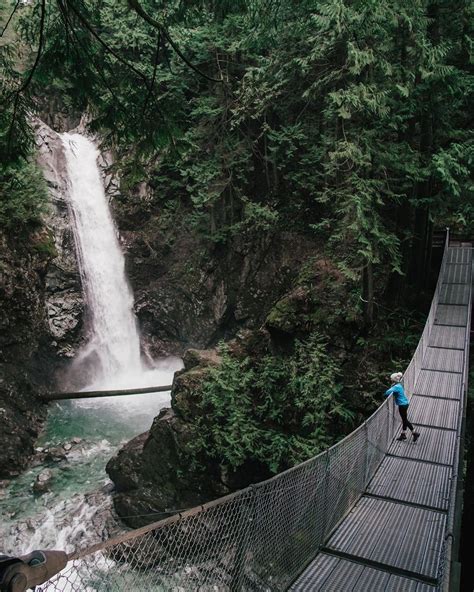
43, 482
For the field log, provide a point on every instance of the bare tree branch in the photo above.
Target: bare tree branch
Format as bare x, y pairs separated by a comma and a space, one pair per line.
10, 18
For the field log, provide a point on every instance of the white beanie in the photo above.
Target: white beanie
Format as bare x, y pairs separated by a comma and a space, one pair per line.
396, 376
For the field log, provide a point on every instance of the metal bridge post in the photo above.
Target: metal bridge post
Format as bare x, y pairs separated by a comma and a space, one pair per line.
325, 506
367, 452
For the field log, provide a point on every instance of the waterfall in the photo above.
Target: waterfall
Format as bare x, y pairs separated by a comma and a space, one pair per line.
113, 347
67, 515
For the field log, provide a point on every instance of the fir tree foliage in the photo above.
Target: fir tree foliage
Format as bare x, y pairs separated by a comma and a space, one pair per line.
278, 411
352, 118
23, 196
22, 187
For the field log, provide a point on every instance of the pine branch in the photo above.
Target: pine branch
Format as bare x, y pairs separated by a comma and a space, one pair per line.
107, 47
79, 45
155, 69
29, 78
135, 5
97, 68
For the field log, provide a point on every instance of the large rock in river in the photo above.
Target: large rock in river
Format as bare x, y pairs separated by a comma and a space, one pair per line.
151, 473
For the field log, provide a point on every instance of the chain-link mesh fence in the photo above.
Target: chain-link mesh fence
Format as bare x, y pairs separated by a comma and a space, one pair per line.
259, 538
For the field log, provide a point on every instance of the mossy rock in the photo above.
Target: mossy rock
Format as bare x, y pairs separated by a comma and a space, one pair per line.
289, 315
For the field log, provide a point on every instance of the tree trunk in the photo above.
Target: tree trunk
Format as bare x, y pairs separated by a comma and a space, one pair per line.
265, 154
423, 191
368, 294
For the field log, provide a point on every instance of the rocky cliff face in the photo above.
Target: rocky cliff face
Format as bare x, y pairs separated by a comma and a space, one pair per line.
152, 473
41, 313
63, 295
190, 296
23, 348
193, 294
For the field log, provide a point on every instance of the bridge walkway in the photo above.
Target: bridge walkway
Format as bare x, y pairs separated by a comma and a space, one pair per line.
393, 538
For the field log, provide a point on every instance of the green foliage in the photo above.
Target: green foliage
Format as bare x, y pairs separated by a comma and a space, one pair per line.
276, 410
348, 121
23, 196
46, 246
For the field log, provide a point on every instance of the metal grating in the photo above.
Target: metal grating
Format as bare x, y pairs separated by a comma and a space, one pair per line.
434, 445
447, 337
396, 535
457, 255
412, 481
439, 384
328, 573
401, 522
437, 413
446, 360
457, 274
454, 294
453, 315
316, 574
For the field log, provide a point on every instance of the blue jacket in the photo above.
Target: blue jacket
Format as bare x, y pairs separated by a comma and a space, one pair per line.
398, 392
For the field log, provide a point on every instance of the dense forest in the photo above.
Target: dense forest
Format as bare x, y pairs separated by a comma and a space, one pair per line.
349, 120
342, 125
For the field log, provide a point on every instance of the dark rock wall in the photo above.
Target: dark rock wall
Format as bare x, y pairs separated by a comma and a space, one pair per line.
151, 472
41, 313
23, 349
194, 294
63, 292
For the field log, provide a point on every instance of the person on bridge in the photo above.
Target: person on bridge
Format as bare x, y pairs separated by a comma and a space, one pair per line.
402, 402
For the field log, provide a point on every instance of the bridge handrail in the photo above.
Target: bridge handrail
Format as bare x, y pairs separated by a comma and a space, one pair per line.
259, 538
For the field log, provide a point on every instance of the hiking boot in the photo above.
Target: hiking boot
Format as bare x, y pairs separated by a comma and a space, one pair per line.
416, 435
402, 436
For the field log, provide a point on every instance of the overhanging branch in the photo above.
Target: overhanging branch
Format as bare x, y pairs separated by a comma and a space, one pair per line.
107, 47
10, 18
136, 6
18, 92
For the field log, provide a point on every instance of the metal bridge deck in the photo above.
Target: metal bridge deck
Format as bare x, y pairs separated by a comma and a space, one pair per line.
391, 540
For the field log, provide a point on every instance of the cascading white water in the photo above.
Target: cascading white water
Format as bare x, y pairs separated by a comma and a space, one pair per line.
113, 347
114, 339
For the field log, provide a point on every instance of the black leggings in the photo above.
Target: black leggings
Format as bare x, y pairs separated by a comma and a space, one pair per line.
403, 414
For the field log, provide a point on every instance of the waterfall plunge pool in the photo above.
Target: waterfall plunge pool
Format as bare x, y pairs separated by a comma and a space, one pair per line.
94, 429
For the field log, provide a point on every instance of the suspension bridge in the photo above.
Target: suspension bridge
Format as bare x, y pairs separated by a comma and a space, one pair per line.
370, 513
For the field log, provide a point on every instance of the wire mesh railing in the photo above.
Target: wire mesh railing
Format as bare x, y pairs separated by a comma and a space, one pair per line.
257, 539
